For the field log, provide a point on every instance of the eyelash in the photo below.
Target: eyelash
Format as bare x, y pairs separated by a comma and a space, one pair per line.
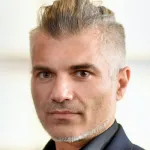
83, 71
39, 73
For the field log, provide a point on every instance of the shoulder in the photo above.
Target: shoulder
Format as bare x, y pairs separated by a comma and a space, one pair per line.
121, 141
135, 147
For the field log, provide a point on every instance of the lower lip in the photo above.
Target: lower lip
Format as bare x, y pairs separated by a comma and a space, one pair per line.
63, 116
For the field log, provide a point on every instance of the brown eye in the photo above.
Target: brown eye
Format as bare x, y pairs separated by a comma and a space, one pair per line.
82, 74
45, 75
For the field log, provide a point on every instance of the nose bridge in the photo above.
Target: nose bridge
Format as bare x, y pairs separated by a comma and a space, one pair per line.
62, 89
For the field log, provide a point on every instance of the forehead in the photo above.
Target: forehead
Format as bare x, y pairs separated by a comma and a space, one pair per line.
82, 39
81, 48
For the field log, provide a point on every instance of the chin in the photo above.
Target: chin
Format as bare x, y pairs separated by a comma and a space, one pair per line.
65, 138
67, 134
63, 133
71, 135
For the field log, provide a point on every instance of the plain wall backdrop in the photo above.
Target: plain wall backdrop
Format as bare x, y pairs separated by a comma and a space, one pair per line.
19, 126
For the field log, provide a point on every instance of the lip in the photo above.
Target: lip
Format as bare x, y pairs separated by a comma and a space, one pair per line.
63, 114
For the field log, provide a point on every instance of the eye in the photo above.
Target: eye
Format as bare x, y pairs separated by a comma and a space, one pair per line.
82, 74
44, 75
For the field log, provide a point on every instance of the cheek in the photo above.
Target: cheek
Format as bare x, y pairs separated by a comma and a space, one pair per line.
97, 98
104, 103
39, 93
40, 96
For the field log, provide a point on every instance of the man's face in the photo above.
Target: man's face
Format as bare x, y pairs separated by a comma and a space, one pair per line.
71, 85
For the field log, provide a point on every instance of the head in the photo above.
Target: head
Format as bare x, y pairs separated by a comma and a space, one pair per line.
78, 69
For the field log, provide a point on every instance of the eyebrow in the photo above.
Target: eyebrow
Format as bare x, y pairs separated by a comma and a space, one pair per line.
39, 68
73, 67
84, 66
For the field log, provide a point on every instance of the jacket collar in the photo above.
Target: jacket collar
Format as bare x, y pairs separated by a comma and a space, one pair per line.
120, 141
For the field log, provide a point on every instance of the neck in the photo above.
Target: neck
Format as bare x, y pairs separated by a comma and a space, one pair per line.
79, 144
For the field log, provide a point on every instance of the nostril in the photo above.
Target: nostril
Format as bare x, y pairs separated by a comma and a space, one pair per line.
60, 96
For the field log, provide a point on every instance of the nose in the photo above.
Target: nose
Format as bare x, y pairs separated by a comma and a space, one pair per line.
61, 90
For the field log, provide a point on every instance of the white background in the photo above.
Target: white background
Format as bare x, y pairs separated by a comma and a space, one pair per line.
19, 126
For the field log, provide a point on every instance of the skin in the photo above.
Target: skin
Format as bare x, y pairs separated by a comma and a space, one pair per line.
71, 87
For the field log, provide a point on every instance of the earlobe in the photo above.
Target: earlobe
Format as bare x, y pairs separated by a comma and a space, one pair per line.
123, 80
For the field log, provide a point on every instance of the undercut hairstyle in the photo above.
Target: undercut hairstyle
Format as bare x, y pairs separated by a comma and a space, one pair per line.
70, 17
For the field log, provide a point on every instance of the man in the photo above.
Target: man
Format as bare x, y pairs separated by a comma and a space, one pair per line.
78, 75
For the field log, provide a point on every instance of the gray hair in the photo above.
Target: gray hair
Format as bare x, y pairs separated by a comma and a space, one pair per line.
70, 17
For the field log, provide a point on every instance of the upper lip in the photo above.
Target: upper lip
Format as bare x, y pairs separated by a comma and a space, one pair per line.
62, 112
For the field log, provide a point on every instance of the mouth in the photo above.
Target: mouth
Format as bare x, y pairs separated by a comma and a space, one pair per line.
63, 114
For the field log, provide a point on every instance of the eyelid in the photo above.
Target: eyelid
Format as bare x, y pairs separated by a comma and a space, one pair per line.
90, 72
38, 73
80, 71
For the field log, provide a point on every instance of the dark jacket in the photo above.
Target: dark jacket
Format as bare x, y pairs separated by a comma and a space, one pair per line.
121, 142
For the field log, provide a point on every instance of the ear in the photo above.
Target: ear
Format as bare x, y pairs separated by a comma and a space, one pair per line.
123, 80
